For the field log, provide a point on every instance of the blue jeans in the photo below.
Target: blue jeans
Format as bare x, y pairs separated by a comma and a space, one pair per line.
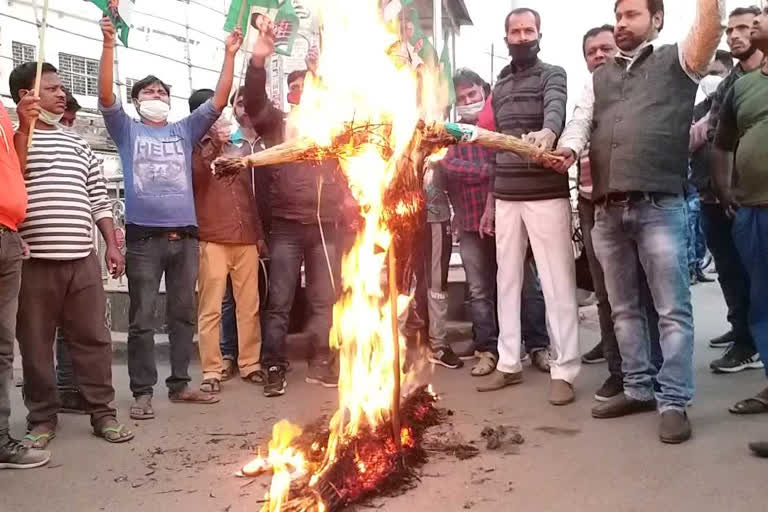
697, 247
145, 263
651, 233
750, 232
479, 258
733, 277
291, 243
228, 325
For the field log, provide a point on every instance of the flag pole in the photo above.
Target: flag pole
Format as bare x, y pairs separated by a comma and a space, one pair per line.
40, 58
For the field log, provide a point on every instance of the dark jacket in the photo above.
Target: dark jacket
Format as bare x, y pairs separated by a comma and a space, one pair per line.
227, 211
293, 187
528, 100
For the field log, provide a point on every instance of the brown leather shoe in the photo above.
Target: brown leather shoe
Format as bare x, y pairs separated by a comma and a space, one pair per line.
501, 380
561, 392
622, 405
759, 449
675, 427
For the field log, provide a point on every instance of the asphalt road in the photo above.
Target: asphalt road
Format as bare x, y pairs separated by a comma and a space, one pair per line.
185, 460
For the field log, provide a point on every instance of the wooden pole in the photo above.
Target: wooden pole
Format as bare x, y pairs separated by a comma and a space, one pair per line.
396, 342
40, 59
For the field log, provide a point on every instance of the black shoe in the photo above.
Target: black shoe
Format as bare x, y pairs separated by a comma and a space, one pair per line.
322, 374
701, 277
14, 455
594, 356
613, 385
674, 427
723, 341
445, 357
275, 385
737, 359
759, 449
72, 402
622, 405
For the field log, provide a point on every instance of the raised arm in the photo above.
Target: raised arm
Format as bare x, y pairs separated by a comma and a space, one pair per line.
224, 86
698, 49
265, 118
106, 67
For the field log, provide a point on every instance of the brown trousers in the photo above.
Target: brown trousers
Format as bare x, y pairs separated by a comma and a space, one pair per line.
241, 263
69, 294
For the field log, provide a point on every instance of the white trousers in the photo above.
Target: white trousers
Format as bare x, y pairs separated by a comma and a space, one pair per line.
547, 224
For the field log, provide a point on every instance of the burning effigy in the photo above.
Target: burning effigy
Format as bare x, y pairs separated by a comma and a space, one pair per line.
366, 106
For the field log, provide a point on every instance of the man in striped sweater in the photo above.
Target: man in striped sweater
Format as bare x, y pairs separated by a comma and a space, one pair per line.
61, 282
529, 101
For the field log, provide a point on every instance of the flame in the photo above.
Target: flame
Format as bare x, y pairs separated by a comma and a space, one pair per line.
359, 80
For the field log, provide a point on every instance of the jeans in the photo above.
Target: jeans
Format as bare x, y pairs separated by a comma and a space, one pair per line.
750, 231
479, 258
146, 262
291, 243
533, 310
10, 284
650, 233
697, 247
604, 313
733, 277
228, 324
65, 372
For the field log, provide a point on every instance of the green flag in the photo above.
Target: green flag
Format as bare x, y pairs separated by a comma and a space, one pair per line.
419, 40
286, 28
245, 6
446, 75
120, 14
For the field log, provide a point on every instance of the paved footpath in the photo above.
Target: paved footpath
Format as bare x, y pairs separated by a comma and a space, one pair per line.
185, 459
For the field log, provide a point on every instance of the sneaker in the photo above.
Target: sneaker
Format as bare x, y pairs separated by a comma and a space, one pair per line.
759, 449
72, 402
737, 359
701, 277
724, 341
594, 356
674, 427
15, 455
321, 373
275, 385
445, 357
622, 405
540, 359
613, 386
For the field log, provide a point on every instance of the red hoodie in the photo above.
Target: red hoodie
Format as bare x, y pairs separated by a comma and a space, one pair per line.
13, 192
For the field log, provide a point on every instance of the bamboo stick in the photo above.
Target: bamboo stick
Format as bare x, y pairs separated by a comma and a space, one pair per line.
40, 59
395, 414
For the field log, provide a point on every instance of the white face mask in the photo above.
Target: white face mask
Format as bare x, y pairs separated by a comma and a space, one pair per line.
707, 87
49, 117
154, 110
470, 112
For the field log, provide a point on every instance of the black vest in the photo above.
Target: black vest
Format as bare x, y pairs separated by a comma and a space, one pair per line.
642, 122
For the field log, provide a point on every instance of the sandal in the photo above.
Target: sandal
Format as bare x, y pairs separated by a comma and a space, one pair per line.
191, 396
230, 370
142, 408
117, 433
755, 405
485, 365
256, 377
39, 439
209, 386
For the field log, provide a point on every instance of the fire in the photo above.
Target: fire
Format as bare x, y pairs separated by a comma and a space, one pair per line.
358, 80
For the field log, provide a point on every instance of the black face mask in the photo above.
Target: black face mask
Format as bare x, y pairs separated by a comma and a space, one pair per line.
524, 52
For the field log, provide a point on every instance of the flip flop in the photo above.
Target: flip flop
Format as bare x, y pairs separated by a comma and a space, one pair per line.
190, 396
142, 409
485, 365
256, 377
114, 435
38, 441
754, 405
209, 386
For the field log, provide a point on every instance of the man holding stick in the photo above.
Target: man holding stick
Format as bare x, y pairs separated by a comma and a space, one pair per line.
161, 224
638, 189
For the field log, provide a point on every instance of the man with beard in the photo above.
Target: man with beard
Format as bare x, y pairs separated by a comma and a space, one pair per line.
743, 129
741, 353
639, 158
529, 101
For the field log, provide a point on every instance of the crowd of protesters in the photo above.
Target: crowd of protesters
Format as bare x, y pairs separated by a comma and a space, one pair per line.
662, 175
